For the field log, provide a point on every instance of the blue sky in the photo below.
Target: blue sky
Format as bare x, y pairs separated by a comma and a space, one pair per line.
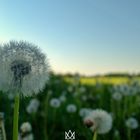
86, 36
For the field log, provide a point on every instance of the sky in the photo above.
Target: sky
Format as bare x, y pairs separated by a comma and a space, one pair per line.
84, 36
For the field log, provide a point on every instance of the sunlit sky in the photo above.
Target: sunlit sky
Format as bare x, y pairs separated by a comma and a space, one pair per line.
85, 36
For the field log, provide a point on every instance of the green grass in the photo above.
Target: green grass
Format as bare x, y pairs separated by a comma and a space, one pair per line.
53, 122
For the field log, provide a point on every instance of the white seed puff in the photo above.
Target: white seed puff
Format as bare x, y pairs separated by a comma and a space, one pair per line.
99, 120
26, 127
22, 66
55, 103
132, 123
71, 108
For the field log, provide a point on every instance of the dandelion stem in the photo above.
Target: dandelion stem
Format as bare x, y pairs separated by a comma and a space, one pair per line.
129, 134
95, 135
46, 115
15, 120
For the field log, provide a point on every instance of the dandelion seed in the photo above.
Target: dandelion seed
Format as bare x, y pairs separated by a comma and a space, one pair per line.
100, 121
131, 123
71, 108
55, 103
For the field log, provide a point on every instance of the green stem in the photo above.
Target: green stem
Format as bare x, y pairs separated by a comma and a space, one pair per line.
129, 134
46, 115
16, 115
54, 118
95, 135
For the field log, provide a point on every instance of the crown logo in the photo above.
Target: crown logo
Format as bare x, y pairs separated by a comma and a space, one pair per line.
69, 135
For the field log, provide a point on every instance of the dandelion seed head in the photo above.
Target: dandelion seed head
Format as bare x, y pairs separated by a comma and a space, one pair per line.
23, 67
55, 103
71, 108
33, 106
26, 132
117, 96
101, 120
26, 127
131, 123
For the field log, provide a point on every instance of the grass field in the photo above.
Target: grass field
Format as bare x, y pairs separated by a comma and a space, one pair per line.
64, 104
103, 80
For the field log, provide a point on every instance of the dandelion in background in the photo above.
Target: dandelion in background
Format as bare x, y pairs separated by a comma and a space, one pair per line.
84, 97
62, 98
131, 123
71, 108
84, 112
117, 96
33, 106
55, 103
26, 132
23, 71
70, 88
26, 127
126, 90
99, 121
117, 134
82, 89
